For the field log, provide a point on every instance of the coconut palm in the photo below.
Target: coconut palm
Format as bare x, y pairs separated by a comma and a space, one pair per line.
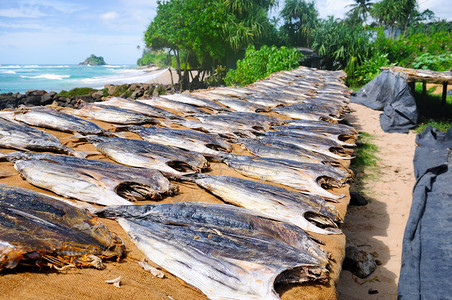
300, 18
360, 9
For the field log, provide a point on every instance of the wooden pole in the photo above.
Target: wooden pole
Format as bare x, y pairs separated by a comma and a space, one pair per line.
412, 85
443, 99
424, 90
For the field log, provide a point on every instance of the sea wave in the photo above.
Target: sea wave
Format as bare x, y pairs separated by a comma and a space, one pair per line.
10, 67
47, 76
8, 72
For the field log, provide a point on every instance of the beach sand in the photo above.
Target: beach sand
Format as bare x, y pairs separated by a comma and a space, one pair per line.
379, 227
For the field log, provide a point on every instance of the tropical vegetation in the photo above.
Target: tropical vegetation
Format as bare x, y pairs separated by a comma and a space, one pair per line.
373, 34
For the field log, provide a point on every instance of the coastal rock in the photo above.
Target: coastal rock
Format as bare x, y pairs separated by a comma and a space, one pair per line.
47, 98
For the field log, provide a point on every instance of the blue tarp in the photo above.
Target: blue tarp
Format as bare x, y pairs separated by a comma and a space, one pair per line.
389, 91
427, 243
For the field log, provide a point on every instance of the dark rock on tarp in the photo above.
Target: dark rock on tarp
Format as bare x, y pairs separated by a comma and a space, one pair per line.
389, 91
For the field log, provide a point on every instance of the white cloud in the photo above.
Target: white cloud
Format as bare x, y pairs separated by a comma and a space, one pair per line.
109, 16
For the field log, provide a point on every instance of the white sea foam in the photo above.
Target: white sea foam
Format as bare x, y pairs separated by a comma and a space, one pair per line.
48, 76
134, 76
10, 67
8, 72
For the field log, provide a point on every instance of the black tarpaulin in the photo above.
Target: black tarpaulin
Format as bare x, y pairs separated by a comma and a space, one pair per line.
427, 243
389, 91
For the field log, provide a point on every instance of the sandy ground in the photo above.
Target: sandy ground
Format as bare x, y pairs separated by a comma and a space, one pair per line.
378, 227
163, 78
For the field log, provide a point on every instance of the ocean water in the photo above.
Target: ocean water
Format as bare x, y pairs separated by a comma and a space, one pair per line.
21, 78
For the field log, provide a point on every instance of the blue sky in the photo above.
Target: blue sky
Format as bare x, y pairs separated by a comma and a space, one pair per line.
66, 32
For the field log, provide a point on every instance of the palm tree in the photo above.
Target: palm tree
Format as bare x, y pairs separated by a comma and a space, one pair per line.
300, 19
360, 9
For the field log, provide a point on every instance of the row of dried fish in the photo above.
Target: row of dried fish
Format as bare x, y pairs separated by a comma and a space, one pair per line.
263, 238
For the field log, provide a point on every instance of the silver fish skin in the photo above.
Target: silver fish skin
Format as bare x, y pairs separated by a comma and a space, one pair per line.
234, 122
36, 229
192, 140
268, 99
314, 115
305, 177
226, 252
174, 105
346, 129
274, 202
317, 144
337, 135
233, 103
225, 132
196, 101
139, 107
274, 148
18, 136
113, 114
46, 117
137, 153
89, 180
268, 120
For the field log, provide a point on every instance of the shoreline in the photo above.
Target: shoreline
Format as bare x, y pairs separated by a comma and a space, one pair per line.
55, 78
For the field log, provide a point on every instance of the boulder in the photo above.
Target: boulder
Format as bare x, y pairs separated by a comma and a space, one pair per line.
359, 262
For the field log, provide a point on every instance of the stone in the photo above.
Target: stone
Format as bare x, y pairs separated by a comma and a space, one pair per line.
47, 98
357, 199
359, 262
97, 95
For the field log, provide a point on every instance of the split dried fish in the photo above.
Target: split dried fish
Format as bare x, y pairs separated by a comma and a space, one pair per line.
192, 140
38, 230
225, 251
137, 153
139, 107
90, 180
307, 177
308, 212
22, 137
50, 118
113, 114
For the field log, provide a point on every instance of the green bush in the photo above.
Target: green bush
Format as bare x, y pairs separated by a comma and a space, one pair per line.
258, 64
371, 68
440, 63
77, 92
404, 50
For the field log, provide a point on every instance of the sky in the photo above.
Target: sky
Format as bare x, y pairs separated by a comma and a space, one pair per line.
67, 32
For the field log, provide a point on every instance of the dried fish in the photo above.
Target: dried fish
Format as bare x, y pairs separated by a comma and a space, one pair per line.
113, 114
90, 180
38, 230
308, 212
18, 136
137, 153
50, 118
226, 252
192, 140
307, 177
139, 107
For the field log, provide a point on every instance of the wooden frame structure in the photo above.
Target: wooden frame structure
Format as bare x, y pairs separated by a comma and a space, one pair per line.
424, 76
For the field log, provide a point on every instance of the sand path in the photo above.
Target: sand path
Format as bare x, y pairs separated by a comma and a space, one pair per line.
379, 226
